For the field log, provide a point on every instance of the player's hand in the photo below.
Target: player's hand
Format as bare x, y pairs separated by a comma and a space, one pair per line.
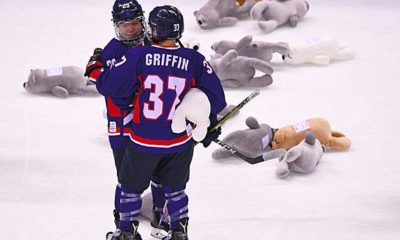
211, 136
93, 68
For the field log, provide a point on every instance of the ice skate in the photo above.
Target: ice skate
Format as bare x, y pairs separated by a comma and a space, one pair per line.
131, 234
160, 226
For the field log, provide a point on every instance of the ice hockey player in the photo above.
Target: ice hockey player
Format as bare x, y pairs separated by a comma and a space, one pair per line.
162, 75
131, 32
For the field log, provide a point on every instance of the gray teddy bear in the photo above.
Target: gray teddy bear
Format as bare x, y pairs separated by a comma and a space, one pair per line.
222, 13
248, 48
271, 14
60, 81
251, 142
302, 158
235, 71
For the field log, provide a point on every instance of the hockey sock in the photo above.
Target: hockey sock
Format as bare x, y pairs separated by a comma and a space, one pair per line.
158, 195
117, 194
130, 205
177, 204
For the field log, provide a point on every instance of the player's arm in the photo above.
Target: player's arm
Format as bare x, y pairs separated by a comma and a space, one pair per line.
120, 78
210, 84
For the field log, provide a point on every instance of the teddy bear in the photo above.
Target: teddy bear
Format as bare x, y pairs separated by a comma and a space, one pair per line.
221, 13
198, 115
317, 50
271, 14
302, 158
289, 136
235, 71
60, 81
248, 48
250, 142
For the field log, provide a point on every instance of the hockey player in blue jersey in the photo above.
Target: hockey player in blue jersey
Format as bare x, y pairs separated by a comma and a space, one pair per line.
163, 75
130, 29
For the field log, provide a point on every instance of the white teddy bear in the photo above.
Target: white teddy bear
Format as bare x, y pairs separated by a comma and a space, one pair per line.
317, 50
198, 115
271, 14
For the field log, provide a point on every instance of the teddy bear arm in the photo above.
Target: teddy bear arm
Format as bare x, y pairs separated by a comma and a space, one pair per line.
261, 81
88, 89
221, 153
59, 91
227, 21
345, 53
282, 170
293, 154
293, 20
232, 83
320, 60
268, 26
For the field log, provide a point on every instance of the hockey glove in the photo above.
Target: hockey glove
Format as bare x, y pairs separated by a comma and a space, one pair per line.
211, 136
93, 68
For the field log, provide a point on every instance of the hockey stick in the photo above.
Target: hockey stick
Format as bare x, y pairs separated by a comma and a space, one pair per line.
267, 156
232, 112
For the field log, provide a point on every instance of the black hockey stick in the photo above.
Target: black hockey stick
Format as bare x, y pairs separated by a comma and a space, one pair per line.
265, 157
232, 112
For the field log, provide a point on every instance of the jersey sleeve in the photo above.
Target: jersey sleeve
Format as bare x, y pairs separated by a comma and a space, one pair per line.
210, 84
119, 79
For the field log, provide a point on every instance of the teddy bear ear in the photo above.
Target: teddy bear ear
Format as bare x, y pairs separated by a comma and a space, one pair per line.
252, 123
195, 13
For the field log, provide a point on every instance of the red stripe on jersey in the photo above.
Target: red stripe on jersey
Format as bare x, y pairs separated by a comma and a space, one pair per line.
155, 142
137, 111
112, 109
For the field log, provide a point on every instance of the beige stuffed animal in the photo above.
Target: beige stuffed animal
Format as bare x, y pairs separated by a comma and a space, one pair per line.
289, 136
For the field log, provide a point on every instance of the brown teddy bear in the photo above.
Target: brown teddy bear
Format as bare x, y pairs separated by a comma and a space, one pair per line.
289, 136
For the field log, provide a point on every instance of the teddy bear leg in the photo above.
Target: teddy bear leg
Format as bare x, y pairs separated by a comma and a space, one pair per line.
345, 53
60, 92
320, 60
268, 26
232, 83
88, 89
293, 20
261, 81
282, 170
221, 153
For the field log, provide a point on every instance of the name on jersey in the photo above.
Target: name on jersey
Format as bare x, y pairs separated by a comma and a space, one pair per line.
167, 60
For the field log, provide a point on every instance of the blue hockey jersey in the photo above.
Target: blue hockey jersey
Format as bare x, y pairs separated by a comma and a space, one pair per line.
119, 109
161, 77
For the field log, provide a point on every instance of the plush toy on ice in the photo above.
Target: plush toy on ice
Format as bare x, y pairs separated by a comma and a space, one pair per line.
320, 51
61, 82
237, 71
249, 48
250, 142
271, 14
222, 13
302, 158
289, 136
